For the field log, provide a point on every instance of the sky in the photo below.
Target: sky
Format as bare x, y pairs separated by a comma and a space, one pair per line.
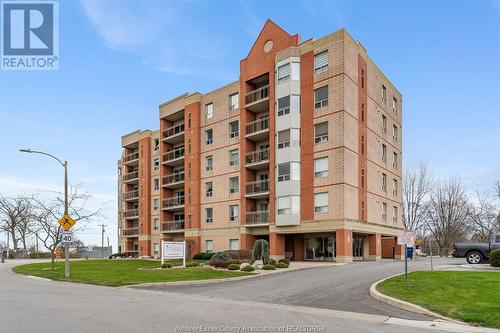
120, 59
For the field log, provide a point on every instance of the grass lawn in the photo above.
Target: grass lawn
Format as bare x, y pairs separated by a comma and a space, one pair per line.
472, 297
121, 272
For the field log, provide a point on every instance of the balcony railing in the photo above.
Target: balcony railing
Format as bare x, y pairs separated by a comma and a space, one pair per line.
174, 130
130, 157
131, 175
130, 195
257, 95
172, 226
257, 187
173, 154
173, 178
257, 125
173, 202
130, 232
131, 213
257, 217
257, 156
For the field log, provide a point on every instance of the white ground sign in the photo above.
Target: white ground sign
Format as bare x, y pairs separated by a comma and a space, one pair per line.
405, 239
173, 250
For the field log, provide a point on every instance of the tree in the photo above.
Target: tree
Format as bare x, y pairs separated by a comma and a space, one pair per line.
483, 218
417, 185
448, 213
15, 215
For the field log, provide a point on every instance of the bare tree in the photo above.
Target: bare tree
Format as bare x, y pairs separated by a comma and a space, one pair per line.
448, 213
417, 185
15, 214
483, 218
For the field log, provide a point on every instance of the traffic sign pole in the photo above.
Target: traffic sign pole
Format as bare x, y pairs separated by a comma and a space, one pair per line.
66, 247
406, 261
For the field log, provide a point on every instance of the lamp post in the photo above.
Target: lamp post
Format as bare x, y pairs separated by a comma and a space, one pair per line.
65, 166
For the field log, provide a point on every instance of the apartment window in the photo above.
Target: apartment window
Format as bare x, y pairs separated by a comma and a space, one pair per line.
321, 62
209, 161
283, 106
321, 202
156, 164
156, 223
234, 129
156, 144
395, 160
384, 124
156, 184
320, 97
209, 110
284, 205
234, 212
394, 186
284, 139
234, 244
209, 136
321, 167
362, 78
156, 204
384, 153
209, 215
283, 172
283, 73
395, 133
234, 157
384, 94
362, 112
321, 132
209, 190
156, 249
189, 120
234, 103
234, 185
295, 70
395, 214
384, 211
209, 245
394, 105
362, 178
362, 145
384, 182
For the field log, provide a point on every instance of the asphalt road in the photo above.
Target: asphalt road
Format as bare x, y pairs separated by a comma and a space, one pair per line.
31, 304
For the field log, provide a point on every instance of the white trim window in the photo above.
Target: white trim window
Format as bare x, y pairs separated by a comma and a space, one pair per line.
321, 167
321, 97
394, 214
283, 73
156, 144
156, 249
209, 245
384, 182
384, 124
283, 106
234, 185
156, 204
321, 132
394, 105
234, 244
234, 102
321, 202
209, 161
234, 212
394, 187
284, 139
321, 62
156, 164
288, 205
156, 223
383, 94
209, 136
394, 133
209, 189
295, 70
209, 215
234, 129
209, 110
394, 160
156, 184
284, 171
234, 157
384, 211
384, 153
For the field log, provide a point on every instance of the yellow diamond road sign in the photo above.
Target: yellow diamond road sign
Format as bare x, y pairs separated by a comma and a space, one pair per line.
67, 222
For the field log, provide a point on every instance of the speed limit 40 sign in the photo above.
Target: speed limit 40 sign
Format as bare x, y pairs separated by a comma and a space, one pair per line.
67, 238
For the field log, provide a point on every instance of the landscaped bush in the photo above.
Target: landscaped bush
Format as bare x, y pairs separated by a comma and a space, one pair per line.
166, 265
219, 256
218, 263
272, 262
268, 267
192, 264
261, 250
285, 261
281, 265
495, 258
203, 256
248, 261
233, 267
114, 255
240, 254
234, 261
248, 268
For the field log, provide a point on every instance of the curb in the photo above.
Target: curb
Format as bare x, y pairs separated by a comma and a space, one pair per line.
406, 305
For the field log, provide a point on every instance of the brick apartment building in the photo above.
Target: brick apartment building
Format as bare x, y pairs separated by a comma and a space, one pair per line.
304, 150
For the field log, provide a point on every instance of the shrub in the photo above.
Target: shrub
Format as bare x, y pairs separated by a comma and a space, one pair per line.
248, 268
285, 261
233, 267
248, 261
219, 256
240, 254
281, 265
115, 255
166, 265
204, 256
192, 264
261, 250
219, 263
234, 261
272, 262
495, 258
268, 267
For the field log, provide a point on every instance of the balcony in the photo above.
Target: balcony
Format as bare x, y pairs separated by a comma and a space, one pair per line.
257, 160
131, 159
258, 130
175, 203
257, 100
257, 218
131, 195
172, 226
131, 232
175, 180
174, 134
258, 189
131, 177
174, 157
130, 214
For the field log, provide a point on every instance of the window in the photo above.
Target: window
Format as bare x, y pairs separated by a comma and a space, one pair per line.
283, 106
395, 160
209, 215
395, 133
234, 185
384, 182
321, 132
383, 94
234, 244
321, 167
362, 178
362, 78
156, 204
234, 212
156, 223
234, 129
320, 97
157, 144
384, 153
234, 157
209, 245
234, 103
189, 120
394, 105
321, 62
384, 124
284, 205
321, 202
209, 189
283, 73
295, 70
362, 145
209, 136
395, 214
283, 172
156, 184
384, 211
362, 112
209, 161
395, 187
156, 249
209, 110
156, 164
283, 139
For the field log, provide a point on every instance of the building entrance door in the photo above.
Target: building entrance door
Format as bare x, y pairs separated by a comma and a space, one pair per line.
357, 248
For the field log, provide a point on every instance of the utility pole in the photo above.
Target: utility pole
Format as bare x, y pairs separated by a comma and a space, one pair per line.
102, 239
36, 239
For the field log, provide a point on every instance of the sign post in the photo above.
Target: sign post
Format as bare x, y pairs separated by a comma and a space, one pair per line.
173, 250
405, 239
